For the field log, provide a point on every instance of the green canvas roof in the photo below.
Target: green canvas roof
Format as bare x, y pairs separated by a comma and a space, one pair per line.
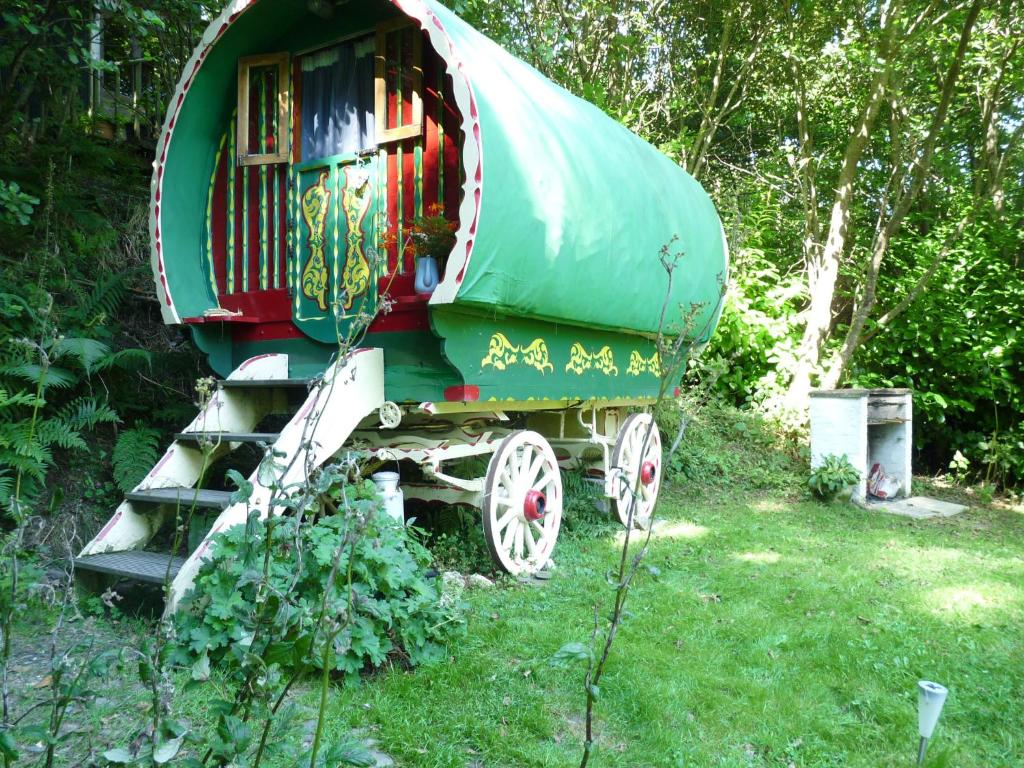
564, 210
574, 208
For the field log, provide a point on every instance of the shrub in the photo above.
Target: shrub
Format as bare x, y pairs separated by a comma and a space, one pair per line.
356, 580
833, 475
727, 447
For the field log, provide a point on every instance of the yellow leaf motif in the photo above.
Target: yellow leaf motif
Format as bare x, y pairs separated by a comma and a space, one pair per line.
355, 202
638, 364
501, 353
536, 355
315, 204
580, 360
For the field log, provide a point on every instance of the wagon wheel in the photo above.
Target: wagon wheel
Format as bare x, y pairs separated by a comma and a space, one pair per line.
632, 456
522, 507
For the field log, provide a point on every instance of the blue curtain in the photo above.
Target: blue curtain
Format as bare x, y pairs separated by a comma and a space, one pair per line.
337, 99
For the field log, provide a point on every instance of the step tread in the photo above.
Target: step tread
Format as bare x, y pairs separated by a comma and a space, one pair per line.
183, 496
263, 383
228, 437
150, 567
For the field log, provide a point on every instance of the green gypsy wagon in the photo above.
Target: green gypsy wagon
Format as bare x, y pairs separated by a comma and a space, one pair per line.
310, 149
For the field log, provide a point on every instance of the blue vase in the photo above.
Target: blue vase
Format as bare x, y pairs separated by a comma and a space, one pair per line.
427, 275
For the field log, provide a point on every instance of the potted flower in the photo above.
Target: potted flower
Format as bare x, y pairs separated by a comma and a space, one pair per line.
432, 239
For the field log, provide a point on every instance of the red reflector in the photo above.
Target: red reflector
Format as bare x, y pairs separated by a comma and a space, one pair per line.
462, 393
676, 392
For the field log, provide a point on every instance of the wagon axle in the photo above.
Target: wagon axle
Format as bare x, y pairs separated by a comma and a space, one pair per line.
534, 505
648, 472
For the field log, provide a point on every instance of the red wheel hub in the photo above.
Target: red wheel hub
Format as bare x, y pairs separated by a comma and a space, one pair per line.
647, 472
533, 506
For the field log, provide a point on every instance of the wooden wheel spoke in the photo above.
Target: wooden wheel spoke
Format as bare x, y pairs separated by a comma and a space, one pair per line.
517, 551
524, 461
531, 473
545, 481
509, 535
638, 442
507, 518
531, 543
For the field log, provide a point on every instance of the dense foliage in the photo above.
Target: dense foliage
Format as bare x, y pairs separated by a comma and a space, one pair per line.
758, 100
284, 567
84, 360
866, 160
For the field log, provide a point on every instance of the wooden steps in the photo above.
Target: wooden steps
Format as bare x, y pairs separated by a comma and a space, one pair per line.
257, 403
264, 383
151, 567
184, 497
227, 437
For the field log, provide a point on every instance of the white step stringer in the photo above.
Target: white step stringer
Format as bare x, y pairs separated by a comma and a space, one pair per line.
350, 390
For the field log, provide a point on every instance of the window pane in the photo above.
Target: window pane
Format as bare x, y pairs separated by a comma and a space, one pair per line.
263, 98
337, 99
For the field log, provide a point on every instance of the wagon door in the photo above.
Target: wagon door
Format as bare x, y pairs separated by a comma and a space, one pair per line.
335, 182
246, 220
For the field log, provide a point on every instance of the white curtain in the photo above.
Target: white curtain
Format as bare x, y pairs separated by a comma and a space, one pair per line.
337, 99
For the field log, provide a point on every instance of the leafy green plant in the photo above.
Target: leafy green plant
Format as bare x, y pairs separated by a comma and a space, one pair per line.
16, 207
135, 452
831, 476
433, 235
396, 610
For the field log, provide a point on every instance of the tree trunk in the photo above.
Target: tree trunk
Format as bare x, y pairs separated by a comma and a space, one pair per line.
823, 263
919, 171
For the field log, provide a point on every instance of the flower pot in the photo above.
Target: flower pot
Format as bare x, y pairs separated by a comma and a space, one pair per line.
427, 275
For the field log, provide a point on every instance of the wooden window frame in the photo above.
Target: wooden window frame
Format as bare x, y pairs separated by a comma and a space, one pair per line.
414, 128
246, 63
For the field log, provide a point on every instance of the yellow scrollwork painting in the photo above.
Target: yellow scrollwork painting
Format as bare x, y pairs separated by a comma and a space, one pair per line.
316, 202
501, 353
581, 360
638, 364
355, 202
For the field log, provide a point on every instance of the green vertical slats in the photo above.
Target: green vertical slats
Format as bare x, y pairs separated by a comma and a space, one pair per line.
337, 181
398, 78
264, 207
245, 226
232, 169
292, 249
275, 257
294, 268
400, 157
440, 135
417, 164
400, 207
381, 226
209, 215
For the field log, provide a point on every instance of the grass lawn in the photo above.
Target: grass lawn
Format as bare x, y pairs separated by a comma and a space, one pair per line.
777, 633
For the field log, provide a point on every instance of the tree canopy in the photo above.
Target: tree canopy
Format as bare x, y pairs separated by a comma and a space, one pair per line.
865, 157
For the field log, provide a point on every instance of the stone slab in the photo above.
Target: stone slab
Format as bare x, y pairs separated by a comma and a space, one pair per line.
918, 507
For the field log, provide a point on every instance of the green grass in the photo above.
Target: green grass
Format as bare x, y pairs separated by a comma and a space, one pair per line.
777, 633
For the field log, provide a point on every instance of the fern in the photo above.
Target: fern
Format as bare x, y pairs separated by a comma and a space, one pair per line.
6, 485
135, 453
18, 398
125, 359
58, 378
102, 302
87, 352
87, 413
57, 432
